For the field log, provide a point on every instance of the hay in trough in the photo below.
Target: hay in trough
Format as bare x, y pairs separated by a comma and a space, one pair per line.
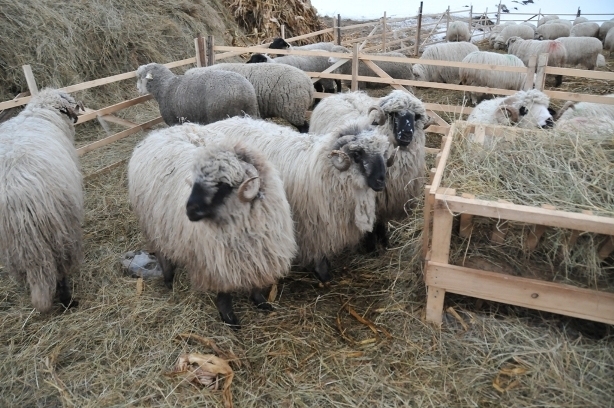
571, 171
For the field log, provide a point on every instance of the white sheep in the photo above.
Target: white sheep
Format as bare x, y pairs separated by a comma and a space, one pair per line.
585, 30
591, 127
551, 31
489, 78
544, 19
524, 109
442, 52
458, 31
566, 23
585, 109
41, 197
520, 30
203, 98
579, 20
282, 91
608, 43
524, 49
330, 180
402, 118
397, 70
582, 51
604, 28
216, 208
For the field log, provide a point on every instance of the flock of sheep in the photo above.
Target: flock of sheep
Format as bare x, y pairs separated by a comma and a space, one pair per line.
236, 200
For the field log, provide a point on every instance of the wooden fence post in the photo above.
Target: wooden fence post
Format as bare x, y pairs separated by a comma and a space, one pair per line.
354, 86
338, 29
335, 34
447, 22
499, 13
486, 25
529, 80
199, 44
27, 71
540, 78
210, 53
471, 21
384, 33
417, 45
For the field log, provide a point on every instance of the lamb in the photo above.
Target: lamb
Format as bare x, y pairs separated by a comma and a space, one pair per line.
216, 208
402, 118
604, 28
524, 109
282, 91
585, 30
544, 19
489, 78
442, 52
582, 51
608, 43
458, 31
579, 20
204, 98
41, 197
522, 31
585, 109
551, 31
524, 49
397, 70
330, 180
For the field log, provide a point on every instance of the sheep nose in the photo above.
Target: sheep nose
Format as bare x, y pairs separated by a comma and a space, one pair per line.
549, 123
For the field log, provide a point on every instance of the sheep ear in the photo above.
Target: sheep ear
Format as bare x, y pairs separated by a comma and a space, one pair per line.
380, 117
149, 76
507, 112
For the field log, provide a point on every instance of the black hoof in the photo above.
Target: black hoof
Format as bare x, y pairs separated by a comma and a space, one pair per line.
322, 271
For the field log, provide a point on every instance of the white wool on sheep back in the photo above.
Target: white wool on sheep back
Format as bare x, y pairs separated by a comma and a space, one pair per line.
404, 179
585, 30
582, 51
458, 31
520, 30
599, 128
397, 70
604, 28
204, 98
551, 31
442, 52
524, 49
608, 43
41, 195
492, 79
283, 91
524, 109
246, 244
586, 109
332, 209
566, 23
579, 20
544, 19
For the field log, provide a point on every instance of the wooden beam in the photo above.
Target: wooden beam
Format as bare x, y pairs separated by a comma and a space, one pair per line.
434, 304
354, 86
530, 76
27, 71
442, 230
535, 233
113, 108
417, 43
199, 45
444, 155
118, 136
540, 76
532, 293
466, 220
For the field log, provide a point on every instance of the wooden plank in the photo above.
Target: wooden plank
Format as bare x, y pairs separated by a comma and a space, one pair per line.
437, 118
105, 170
572, 96
113, 108
444, 157
432, 175
583, 73
210, 53
113, 119
535, 294
107, 140
429, 199
466, 220
331, 69
434, 304
199, 46
13, 103
535, 233
27, 71
531, 215
540, 76
354, 85
383, 74
528, 83
442, 229
367, 37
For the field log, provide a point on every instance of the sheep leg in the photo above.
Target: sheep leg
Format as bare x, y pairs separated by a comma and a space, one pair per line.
558, 80
338, 84
304, 128
223, 302
322, 270
257, 296
65, 296
379, 234
65, 265
168, 270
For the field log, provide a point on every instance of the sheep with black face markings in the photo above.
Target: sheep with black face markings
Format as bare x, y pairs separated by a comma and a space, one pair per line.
41, 197
203, 98
214, 207
330, 180
402, 118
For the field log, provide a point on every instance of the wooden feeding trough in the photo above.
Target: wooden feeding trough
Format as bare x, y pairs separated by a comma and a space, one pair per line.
444, 204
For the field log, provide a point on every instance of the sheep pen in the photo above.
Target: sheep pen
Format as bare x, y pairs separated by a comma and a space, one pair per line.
115, 349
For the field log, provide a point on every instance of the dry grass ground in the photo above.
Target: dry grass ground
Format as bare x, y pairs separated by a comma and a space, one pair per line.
116, 347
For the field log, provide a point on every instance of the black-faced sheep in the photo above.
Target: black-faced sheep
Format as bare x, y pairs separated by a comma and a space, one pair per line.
582, 51
524, 49
442, 52
204, 98
458, 31
41, 197
492, 79
330, 180
282, 91
402, 118
218, 209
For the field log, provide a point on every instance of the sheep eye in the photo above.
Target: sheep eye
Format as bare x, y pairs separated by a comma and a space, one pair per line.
523, 111
357, 155
417, 116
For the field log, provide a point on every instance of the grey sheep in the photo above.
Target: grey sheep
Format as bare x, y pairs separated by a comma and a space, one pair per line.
402, 118
282, 91
41, 197
442, 52
216, 208
204, 98
566, 23
330, 180
524, 49
458, 31
582, 51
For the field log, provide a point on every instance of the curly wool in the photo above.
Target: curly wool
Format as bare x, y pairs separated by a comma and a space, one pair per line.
41, 195
331, 209
247, 245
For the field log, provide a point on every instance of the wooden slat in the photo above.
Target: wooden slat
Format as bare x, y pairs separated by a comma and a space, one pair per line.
354, 85
530, 77
118, 136
535, 294
32, 87
466, 220
437, 118
444, 155
606, 248
535, 232
584, 73
434, 304
113, 108
429, 199
573, 96
442, 230
540, 76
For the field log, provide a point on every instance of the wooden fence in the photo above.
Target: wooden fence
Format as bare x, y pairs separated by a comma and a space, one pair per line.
207, 53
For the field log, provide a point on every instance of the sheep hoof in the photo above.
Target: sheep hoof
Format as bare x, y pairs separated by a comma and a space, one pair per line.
257, 296
224, 306
322, 270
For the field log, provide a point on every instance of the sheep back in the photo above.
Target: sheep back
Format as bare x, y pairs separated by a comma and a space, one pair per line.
551, 31
604, 28
520, 30
544, 19
524, 49
458, 31
246, 245
585, 30
41, 195
442, 52
582, 51
608, 43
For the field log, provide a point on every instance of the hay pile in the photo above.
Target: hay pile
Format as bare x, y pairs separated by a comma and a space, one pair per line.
570, 171
262, 20
67, 43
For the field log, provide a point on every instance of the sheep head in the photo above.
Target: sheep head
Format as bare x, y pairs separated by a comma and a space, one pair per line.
530, 109
50, 98
258, 58
279, 44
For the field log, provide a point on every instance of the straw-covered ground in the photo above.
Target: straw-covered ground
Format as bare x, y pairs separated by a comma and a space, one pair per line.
361, 342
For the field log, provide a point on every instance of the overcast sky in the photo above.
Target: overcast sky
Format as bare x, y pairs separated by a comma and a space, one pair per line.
361, 9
